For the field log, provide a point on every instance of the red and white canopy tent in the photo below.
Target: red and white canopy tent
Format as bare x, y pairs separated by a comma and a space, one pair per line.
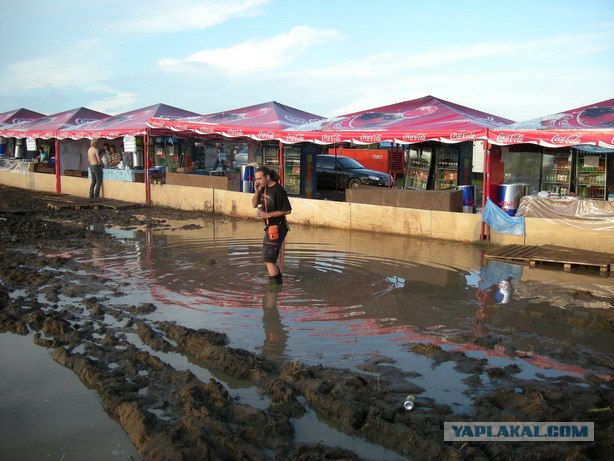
261, 122
47, 127
418, 120
407, 122
133, 123
587, 125
17, 117
13, 119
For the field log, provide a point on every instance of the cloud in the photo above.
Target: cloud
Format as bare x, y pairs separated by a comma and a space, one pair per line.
70, 67
116, 103
178, 15
255, 54
68, 72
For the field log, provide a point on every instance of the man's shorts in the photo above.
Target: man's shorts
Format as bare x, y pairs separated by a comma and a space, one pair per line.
271, 248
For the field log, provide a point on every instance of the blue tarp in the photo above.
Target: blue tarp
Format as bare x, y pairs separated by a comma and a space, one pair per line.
501, 222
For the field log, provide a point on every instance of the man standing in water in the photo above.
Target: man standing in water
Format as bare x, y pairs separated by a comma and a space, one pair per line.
93, 158
273, 205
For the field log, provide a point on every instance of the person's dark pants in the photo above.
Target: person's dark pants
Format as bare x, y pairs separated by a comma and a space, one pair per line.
96, 171
271, 248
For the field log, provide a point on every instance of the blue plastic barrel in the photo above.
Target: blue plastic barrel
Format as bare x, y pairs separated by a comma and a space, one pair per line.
247, 178
468, 198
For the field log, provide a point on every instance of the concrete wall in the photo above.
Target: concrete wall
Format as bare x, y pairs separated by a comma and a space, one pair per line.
182, 197
440, 200
559, 232
323, 213
197, 180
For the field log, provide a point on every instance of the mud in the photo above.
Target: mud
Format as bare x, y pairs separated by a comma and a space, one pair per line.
172, 415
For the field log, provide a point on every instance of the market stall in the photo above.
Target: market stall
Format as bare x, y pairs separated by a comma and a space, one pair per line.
132, 136
568, 153
409, 122
261, 123
11, 120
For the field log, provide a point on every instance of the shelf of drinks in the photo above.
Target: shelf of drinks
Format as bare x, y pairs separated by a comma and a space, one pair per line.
556, 182
441, 184
416, 183
451, 168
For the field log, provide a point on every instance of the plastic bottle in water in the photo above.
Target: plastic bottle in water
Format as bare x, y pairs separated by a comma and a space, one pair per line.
409, 402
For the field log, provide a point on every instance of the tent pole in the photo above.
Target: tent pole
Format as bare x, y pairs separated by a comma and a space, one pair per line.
484, 228
146, 162
58, 178
282, 176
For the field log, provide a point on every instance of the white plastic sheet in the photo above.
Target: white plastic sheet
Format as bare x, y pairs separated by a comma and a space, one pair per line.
572, 211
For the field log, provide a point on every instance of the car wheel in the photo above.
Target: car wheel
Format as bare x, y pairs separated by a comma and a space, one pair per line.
354, 182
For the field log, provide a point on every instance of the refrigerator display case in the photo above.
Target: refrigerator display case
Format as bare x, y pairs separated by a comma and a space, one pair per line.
270, 157
418, 168
591, 176
292, 170
522, 167
556, 172
446, 168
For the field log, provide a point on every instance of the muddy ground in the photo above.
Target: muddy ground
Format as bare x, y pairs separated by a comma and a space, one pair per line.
172, 415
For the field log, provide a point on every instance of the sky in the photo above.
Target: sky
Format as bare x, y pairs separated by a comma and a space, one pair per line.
515, 59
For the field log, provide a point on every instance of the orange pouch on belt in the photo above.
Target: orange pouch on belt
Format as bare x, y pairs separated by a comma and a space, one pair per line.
273, 232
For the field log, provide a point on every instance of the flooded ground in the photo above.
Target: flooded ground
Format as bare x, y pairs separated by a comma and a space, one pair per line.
325, 361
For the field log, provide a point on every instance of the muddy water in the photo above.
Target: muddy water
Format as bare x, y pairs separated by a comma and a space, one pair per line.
351, 299
46, 413
382, 305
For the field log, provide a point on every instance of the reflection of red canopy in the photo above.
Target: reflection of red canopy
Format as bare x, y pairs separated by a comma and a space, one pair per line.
261, 121
47, 127
592, 124
412, 121
133, 123
17, 117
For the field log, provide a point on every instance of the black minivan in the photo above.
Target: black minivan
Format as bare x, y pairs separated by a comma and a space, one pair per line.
340, 172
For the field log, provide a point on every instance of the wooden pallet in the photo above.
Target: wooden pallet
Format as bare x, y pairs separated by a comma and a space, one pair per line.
15, 211
533, 255
59, 206
78, 203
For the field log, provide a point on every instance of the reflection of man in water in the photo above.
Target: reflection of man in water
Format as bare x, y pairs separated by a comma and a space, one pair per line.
504, 291
275, 337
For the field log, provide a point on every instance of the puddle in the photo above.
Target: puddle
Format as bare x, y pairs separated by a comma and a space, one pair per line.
351, 298
47, 413
344, 295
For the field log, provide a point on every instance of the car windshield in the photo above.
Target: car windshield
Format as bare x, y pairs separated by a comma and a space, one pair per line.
350, 163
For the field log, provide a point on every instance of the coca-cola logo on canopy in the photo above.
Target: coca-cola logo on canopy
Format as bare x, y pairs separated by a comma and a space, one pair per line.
19, 121
416, 137
597, 117
82, 120
371, 138
510, 137
233, 116
295, 137
566, 139
266, 134
382, 119
235, 132
462, 136
331, 137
